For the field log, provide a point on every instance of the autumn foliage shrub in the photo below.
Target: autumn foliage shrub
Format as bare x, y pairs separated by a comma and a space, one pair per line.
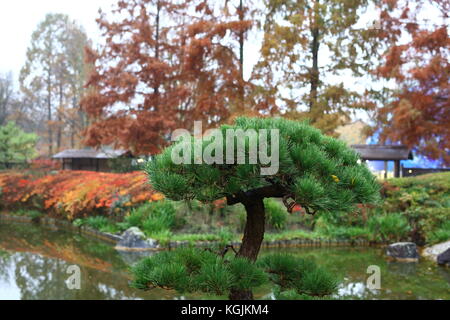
45, 164
74, 194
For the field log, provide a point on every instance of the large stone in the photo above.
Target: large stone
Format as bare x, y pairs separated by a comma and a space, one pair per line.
434, 251
403, 252
444, 258
134, 240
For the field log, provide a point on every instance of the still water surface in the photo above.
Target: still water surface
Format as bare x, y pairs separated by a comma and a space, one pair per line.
34, 262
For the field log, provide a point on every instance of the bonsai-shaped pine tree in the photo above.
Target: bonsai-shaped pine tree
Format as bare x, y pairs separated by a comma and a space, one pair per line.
315, 171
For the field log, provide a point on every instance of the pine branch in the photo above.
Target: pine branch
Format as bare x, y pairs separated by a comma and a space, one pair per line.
272, 191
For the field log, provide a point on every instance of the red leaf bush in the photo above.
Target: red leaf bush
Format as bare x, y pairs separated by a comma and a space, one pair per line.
73, 194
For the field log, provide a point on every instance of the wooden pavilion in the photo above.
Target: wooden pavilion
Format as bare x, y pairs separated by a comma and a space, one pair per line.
385, 153
89, 159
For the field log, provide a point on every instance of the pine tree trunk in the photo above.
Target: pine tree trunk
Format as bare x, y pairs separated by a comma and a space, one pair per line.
253, 238
254, 229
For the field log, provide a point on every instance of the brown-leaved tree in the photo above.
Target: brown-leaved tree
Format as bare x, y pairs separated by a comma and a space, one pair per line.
418, 113
305, 44
164, 65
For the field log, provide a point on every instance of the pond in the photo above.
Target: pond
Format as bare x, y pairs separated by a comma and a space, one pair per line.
34, 262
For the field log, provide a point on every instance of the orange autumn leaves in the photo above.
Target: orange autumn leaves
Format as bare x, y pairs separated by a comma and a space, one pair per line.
163, 65
63, 251
75, 193
417, 59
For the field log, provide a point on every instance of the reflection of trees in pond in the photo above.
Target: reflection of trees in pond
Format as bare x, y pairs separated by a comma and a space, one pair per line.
5, 254
131, 257
40, 277
398, 280
37, 259
406, 269
66, 252
41, 272
354, 265
352, 289
5, 265
40, 258
445, 272
61, 245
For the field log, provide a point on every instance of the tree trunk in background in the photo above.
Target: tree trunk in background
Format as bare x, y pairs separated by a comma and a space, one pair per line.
241, 39
59, 119
72, 137
315, 44
314, 70
157, 26
241, 56
49, 118
77, 119
75, 106
253, 238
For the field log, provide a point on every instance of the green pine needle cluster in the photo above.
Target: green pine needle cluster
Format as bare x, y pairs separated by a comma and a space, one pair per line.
318, 172
296, 277
194, 270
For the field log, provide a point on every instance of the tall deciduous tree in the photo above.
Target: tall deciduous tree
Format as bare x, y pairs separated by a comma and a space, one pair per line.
164, 65
51, 74
76, 76
16, 107
242, 14
305, 44
135, 89
417, 59
6, 97
219, 33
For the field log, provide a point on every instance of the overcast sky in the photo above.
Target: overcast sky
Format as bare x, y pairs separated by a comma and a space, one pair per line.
19, 18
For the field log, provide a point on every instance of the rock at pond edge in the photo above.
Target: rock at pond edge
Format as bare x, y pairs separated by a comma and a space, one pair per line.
403, 252
433, 252
134, 239
444, 258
